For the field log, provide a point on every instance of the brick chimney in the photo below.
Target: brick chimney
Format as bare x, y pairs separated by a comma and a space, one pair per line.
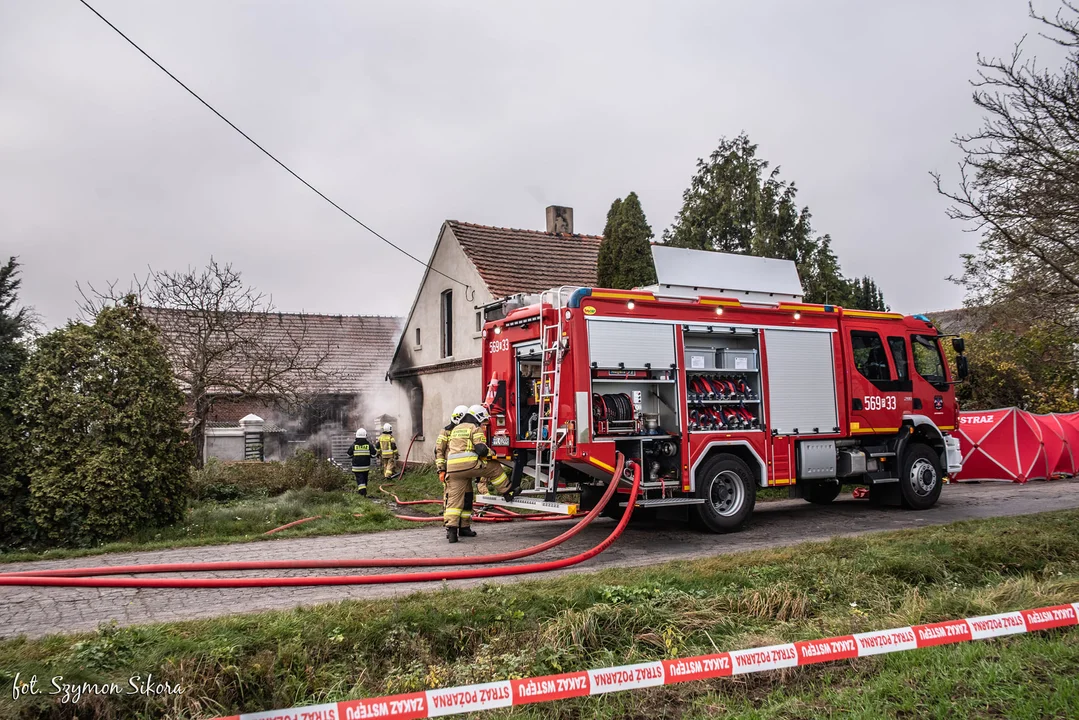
560, 219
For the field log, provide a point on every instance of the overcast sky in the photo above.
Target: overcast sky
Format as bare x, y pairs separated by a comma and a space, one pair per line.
410, 113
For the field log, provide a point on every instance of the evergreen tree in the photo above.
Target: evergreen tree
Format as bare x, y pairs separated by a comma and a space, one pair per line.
735, 205
607, 262
104, 419
15, 524
865, 295
625, 255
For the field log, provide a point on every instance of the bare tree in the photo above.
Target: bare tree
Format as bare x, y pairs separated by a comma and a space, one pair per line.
1019, 180
226, 341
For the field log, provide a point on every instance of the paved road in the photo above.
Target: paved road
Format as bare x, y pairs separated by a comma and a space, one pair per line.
41, 611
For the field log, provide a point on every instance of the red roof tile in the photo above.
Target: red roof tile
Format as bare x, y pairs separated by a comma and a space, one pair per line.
514, 261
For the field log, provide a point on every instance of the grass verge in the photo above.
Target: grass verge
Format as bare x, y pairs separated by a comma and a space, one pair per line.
247, 520
449, 637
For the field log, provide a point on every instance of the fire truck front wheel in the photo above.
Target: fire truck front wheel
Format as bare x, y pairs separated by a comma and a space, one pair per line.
920, 480
729, 492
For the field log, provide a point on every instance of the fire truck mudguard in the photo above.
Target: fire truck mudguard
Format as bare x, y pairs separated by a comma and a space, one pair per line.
717, 392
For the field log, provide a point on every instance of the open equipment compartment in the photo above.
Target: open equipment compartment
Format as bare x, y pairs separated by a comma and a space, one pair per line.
634, 380
529, 359
723, 378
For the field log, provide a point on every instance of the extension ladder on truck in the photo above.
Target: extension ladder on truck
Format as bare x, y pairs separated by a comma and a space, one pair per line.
552, 350
548, 434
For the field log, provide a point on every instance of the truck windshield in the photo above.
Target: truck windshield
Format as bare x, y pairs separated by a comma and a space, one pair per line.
927, 359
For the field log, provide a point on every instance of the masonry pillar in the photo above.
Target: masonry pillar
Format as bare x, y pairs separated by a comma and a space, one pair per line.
254, 438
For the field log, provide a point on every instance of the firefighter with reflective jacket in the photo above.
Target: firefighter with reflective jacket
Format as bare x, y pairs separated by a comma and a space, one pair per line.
361, 452
443, 441
387, 451
467, 458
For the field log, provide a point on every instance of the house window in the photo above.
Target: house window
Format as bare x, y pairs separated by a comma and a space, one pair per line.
418, 343
479, 321
447, 323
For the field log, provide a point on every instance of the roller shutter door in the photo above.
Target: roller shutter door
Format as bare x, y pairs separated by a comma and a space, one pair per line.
801, 382
632, 344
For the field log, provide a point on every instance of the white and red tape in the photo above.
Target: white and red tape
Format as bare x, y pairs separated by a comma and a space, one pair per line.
506, 693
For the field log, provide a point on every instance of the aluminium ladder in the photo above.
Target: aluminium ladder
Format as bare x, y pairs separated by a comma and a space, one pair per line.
552, 351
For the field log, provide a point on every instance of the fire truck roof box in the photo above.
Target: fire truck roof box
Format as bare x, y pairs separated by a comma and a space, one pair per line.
694, 273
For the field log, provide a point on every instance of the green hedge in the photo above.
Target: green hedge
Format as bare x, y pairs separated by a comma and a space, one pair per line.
106, 451
220, 481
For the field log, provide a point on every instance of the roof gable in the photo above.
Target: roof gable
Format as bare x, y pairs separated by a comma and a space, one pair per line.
512, 261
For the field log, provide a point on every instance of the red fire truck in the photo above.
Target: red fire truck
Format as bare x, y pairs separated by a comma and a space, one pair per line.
717, 396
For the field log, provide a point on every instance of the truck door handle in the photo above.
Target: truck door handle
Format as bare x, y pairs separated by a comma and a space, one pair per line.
917, 404
856, 404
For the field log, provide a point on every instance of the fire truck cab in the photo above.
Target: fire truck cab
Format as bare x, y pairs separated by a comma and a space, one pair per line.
717, 381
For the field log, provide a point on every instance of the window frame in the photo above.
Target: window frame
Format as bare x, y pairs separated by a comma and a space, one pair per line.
893, 383
446, 324
931, 341
905, 375
854, 353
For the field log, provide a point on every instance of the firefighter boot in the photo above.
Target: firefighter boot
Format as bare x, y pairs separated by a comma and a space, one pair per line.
466, 532
451, 534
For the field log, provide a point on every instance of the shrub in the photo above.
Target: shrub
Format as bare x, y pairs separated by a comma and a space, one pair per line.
223, 482
108, 452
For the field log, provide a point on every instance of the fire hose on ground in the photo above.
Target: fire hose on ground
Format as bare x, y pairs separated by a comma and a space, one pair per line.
82, 577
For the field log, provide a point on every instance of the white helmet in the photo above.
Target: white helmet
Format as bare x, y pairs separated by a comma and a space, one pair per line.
361, 433
480, 413
458, 414
387, 428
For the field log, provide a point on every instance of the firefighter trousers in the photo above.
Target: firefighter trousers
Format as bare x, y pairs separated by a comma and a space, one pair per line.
360, 475
458, 500
486, 472
389, 466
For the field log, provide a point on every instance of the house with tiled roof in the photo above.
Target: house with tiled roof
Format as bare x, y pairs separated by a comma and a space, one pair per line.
347, 390
436, 364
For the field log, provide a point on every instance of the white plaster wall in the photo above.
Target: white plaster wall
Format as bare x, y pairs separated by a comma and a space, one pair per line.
427, 315
442, 391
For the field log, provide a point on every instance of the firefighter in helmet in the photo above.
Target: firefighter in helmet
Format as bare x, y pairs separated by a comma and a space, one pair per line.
443, 439
467, 458
387, 451
361, 452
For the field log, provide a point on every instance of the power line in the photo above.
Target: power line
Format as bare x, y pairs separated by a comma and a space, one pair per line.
266, 152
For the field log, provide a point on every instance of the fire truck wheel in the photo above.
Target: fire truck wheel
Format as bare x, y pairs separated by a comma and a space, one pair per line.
920, 478
821, 493
726, 485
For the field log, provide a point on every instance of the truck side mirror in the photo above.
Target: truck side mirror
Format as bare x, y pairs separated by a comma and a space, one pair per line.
961, 367
959, 345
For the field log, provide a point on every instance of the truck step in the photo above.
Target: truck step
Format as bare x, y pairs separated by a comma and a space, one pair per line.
560, 490
526, 503
665, 502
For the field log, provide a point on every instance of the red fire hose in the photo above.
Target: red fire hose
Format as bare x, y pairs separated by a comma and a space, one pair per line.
431, 576
344, 563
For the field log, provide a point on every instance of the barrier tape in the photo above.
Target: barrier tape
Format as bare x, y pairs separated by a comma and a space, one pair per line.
507, 693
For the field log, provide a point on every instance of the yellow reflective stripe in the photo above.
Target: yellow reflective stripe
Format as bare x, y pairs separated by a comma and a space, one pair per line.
452, 512
453, 462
